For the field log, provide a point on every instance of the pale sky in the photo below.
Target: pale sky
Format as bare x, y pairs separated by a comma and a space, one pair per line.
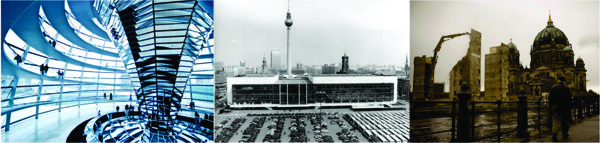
371, 31
498, 22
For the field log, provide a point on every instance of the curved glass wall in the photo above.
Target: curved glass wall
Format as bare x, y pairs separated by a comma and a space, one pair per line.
77, 74
160, 42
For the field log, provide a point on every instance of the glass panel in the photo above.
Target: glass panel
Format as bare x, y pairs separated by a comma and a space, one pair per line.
20, 114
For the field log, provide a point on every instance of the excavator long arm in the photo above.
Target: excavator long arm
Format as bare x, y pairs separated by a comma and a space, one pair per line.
439, 45
435, 52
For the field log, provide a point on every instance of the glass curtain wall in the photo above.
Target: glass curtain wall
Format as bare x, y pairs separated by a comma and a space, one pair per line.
77, 75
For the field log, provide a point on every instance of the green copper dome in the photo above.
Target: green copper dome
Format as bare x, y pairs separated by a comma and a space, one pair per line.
550, 35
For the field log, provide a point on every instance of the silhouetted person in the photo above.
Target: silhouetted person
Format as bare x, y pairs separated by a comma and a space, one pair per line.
18, 59
42, 69
99, 113
197, 117
114, 33
560, 103
46, 69
61, 74
117, 108
52, 42
126, 111
104, 95
110, 98
192, 105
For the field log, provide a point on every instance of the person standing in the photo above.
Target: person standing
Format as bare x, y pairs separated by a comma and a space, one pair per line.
42, 69
127, 112
560, 102
46, 69
104, 95
18, 59
60, 74
192, 106
110, 98
197, 117
101, 137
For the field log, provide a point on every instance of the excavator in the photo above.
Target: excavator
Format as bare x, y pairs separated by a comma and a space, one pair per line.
435, 57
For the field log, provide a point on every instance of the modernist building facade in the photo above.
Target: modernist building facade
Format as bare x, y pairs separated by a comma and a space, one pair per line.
276, 60
306, 91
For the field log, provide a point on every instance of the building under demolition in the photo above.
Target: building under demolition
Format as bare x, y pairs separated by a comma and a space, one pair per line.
468, 69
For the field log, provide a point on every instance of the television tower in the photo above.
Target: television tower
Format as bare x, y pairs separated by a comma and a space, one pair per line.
288, 24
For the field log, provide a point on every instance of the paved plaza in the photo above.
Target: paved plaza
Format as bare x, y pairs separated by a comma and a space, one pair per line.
584, 131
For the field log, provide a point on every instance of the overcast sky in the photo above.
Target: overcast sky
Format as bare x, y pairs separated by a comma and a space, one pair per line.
372, 31
498, 22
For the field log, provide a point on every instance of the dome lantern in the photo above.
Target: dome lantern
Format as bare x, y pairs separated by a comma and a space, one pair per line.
550, 23
512, 45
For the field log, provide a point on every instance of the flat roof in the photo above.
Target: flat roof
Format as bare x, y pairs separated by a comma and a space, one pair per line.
255, 75
346, 75
293, 81
321, 79
353, 79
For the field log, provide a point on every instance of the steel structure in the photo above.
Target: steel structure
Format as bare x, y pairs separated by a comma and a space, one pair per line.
71, 37
158, 42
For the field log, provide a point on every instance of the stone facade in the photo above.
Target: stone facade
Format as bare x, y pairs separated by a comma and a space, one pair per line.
422, 77
552, 56
497, 73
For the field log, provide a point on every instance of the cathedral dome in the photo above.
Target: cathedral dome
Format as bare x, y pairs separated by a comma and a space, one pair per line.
550, 35
579, 63
547, 45
579, 60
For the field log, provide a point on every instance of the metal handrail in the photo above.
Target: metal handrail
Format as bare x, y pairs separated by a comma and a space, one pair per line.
584, 107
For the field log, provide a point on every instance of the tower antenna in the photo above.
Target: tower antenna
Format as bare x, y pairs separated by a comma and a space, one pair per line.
288, 23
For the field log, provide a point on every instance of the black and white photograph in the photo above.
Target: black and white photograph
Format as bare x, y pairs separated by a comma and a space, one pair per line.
311, 71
